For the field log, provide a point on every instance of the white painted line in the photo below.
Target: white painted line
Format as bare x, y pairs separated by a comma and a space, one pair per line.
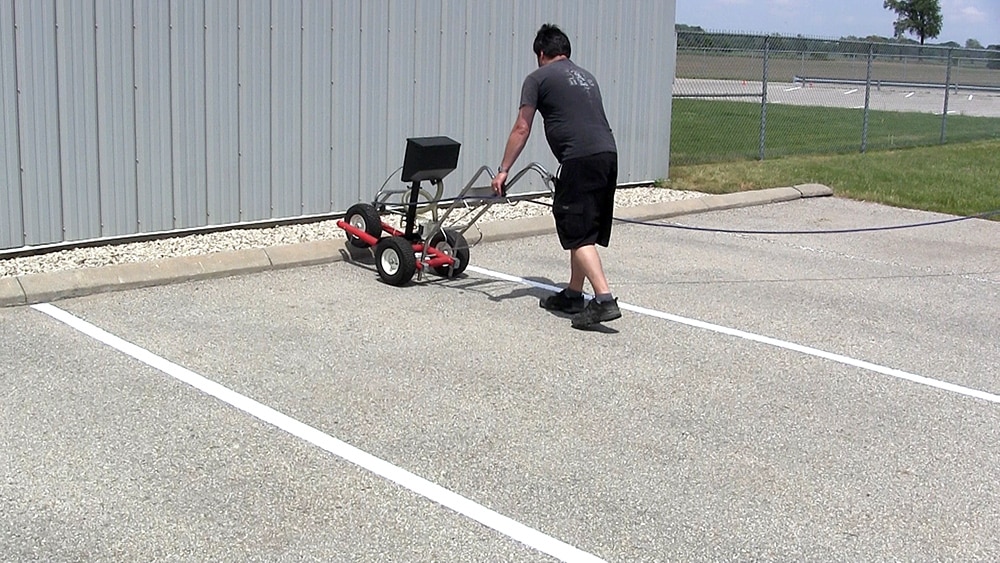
943, 385
515, 530
910, 95
792, 89
851, 91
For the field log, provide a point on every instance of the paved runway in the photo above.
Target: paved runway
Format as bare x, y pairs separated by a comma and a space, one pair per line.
923, 100
765, 397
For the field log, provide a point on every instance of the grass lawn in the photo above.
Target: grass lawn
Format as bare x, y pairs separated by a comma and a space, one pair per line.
714, 148
959, 178
714, 131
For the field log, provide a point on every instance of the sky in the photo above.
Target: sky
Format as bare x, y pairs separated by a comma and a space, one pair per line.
963, 19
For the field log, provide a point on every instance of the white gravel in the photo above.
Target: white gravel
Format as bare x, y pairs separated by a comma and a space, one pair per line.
238, 239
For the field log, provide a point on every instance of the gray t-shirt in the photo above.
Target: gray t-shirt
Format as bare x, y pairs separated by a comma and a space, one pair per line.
569, 100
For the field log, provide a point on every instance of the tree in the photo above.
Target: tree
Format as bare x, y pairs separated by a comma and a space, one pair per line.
994, 57
919, 17
973, 44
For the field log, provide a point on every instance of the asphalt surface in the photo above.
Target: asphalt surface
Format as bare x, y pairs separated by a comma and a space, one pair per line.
894, 98
649, 440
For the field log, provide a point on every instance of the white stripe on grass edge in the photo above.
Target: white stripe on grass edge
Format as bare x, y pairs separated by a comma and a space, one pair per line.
507, 526
892, 372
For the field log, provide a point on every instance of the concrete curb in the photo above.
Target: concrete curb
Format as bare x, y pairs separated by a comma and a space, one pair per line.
11, 292
52, 286
39, 288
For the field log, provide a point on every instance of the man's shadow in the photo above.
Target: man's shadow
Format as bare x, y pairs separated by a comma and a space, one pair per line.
530, 293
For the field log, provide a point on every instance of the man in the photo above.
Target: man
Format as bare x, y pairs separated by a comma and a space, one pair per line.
578, 133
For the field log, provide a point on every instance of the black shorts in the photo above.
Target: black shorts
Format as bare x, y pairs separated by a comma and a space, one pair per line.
584, 201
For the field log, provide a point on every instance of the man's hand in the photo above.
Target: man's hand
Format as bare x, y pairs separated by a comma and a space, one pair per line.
499, 183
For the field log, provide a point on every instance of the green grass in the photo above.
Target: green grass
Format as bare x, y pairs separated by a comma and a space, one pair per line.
958, 178
714, 131
714, 149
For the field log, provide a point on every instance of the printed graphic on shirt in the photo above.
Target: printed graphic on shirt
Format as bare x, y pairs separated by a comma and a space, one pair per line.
577, 78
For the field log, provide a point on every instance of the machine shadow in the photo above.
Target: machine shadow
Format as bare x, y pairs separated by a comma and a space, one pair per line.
490, 288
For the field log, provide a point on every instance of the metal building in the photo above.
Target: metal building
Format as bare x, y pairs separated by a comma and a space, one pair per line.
121, 117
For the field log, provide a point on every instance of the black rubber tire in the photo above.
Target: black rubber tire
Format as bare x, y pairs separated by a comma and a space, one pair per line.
395, 260
453, 244
364, 217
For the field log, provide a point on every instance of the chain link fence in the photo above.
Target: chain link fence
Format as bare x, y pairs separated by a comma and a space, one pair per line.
741, 97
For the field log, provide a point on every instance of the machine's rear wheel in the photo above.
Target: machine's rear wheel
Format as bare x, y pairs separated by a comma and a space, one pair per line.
395, 260
364, 217
451, 243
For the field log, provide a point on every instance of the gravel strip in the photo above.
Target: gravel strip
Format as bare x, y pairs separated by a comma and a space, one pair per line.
238, 239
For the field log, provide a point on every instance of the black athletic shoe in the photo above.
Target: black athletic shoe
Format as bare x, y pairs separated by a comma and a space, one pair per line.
597, 313
561, 302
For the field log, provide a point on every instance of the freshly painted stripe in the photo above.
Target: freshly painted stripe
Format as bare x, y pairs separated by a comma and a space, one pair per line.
839, 358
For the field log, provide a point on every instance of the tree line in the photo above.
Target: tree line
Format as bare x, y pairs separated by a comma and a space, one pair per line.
694, 37
921, 18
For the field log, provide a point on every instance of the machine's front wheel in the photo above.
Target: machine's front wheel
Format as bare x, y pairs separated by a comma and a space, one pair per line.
364, 217
451, 243
395, 260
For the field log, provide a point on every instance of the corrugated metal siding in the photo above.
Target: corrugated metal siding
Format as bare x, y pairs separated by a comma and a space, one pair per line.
254, 39
222, 123
152, 116
11, 224
38, 116
317, 99
154, 153
116, 124
286, 110
346, 120
77, 98
187, 110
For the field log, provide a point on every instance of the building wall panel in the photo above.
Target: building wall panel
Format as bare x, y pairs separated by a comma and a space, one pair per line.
76, 66
222, 113
187, 111
286, 108
37, 96
317, 106
255, 109
346, 150
154, 164
116, 124
11, 224
121, 117
374, 88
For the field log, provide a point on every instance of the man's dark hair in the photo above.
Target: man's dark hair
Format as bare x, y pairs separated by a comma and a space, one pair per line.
551, 41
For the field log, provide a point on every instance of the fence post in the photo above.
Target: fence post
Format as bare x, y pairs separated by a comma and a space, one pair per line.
763, 101
947, 91
868, 97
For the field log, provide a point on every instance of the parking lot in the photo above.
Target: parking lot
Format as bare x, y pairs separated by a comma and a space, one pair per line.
764, 397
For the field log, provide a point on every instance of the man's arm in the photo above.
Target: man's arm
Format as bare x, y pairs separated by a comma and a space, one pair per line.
515, 144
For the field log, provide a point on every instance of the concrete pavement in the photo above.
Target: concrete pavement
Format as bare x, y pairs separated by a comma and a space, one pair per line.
765, 397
